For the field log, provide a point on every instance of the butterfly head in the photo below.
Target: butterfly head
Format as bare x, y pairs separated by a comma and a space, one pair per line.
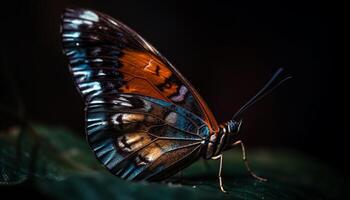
231, 130
233, 126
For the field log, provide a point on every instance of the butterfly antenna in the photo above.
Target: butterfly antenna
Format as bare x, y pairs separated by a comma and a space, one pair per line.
267, 89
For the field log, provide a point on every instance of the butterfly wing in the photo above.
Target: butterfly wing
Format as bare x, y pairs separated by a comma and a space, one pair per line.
107, 56
144, 120
143, 138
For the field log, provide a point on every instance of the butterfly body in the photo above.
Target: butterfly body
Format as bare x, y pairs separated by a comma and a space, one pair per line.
144, 120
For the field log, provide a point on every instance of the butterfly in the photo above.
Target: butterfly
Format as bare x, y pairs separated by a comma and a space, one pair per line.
144, 120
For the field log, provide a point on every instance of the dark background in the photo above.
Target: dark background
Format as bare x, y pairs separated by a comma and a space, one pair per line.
226, 50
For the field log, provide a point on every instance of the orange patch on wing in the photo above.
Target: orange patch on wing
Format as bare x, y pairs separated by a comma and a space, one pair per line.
143, 72
170, 89
140, 86
144, 65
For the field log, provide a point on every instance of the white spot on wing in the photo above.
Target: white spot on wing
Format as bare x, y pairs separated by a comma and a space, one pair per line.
89, 87
126, 104
182, 92
89, 15
171, 118
97, 60
73, 35
117, 102
97, 102
115, 118
123, 99
101, 73
80, 22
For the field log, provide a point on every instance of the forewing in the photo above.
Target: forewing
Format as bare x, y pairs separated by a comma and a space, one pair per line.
106, 56
143, 138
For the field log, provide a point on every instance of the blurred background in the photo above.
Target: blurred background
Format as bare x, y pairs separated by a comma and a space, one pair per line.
226, 50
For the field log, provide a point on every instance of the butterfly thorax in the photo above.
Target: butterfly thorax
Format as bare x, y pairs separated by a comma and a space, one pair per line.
222, 139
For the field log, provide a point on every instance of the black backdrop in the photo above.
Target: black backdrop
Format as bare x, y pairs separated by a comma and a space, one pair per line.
226, 50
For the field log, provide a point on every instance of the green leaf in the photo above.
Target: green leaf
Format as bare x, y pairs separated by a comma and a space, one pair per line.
56, 163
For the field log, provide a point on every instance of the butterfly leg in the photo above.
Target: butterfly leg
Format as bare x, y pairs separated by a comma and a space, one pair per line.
220, 170
245, 160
